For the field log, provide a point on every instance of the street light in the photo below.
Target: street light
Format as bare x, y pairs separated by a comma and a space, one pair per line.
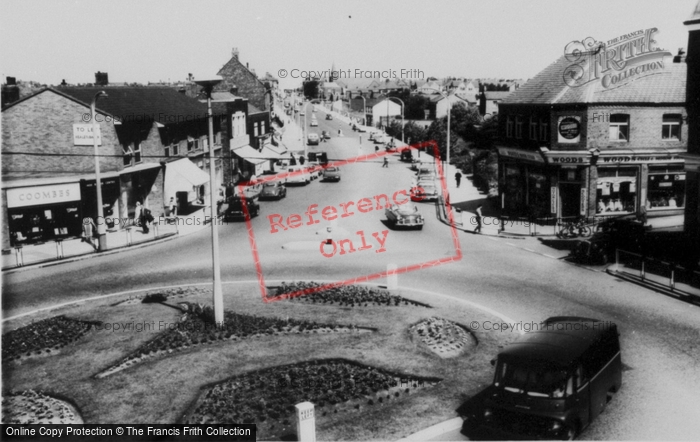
208, 86
101, 234
402, 108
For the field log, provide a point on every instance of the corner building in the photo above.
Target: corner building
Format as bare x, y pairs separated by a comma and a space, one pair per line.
596, 149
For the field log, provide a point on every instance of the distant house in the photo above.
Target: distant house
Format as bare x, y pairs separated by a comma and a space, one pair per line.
443, 103
488, 102
383, 111
430, 87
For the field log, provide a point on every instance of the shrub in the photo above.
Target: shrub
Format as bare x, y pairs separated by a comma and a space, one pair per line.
154, 297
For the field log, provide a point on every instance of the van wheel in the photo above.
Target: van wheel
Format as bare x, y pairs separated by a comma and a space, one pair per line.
569, 432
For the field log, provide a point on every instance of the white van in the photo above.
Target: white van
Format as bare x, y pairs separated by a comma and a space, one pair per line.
298, 175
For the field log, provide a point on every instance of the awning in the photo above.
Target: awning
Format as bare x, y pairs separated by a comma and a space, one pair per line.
251, 155
182, 176
276, 153
140, 167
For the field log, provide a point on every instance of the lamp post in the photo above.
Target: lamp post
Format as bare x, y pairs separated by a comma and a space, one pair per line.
101, 235
208, 86
402, 109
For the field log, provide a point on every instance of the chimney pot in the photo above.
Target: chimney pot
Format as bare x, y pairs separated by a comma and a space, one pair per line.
234, 53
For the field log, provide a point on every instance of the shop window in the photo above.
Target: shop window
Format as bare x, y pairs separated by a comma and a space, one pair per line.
666, 189
509, 126
544, 129
619, 127
191, 144
616, 191
518, 127
671, 127
533, 128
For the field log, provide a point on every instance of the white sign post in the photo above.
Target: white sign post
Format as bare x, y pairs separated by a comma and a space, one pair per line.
83, 134
306, 422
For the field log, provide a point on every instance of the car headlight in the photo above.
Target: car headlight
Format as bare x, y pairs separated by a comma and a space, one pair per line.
488, 413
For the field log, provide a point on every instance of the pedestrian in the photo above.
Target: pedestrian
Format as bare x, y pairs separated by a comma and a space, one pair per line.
137, 214
386, 162
458, 177
376, 149
478, 219
146, 217
172, 208
643, 214
89, 229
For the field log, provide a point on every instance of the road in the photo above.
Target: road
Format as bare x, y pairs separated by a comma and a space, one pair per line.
660, 336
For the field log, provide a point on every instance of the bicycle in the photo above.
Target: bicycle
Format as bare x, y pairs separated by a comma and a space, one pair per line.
574, 229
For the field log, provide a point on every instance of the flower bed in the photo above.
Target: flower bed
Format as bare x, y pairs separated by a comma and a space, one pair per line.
344, 295
197, 327
163, 295
267, 397
31, 407
443, 337
42, 337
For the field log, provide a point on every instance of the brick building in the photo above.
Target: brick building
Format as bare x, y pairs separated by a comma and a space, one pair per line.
604, 147
240, 80
154, 146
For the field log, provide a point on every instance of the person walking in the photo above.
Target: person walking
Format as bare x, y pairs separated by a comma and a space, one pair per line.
137, 214
458, 178
386, 162
89, 229
478, 219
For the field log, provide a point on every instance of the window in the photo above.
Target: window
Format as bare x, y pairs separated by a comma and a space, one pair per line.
255, 129
128, 152
509, 126
619, 127
176, 149
137, 153
665, 189
518, 127
616, 191
544, 129
190, 144
533, 128
671, 127
167, 151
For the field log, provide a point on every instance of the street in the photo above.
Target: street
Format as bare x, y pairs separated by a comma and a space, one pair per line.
659, 335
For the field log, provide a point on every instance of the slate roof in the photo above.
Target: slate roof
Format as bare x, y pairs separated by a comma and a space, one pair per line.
496, 95
164, 105
253, 110
665, 85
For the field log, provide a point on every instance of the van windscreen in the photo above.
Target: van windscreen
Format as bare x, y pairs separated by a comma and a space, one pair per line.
534, 381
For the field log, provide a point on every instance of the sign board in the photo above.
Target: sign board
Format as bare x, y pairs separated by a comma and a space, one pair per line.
82, 134
553, 199
640, 159
42, 195
568, 158
569, 129
306, 422
520, 154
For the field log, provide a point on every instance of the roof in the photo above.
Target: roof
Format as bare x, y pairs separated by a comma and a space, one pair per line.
145, 103
496, 95
695, 17
557, 341
666, 85
253, 110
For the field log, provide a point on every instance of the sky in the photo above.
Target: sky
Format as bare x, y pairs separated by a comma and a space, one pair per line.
154, 40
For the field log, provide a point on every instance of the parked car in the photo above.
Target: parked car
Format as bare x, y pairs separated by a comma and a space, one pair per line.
314, 123
273, 190
373, 134
379, 138
302, 113
329, 117
312, 139
298, 175
404, 216
331, 174
361, 128
235, 212
550, 383
424, 191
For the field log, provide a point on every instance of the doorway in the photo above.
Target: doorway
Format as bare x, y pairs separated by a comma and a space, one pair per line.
569, 199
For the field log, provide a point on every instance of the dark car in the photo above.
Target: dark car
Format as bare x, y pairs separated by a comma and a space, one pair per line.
329, 117
551, 382
330, 174
404, 216
235, 210
273, 190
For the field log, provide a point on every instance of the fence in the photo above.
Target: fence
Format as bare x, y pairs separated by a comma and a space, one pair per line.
668, 274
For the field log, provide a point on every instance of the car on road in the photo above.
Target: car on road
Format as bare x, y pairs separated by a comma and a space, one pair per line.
424, 191
329, 117
379, 138
551, 382
312, 139
314, 123
330, 174
302, 113
235, 211
273, 190
298, 175
405, 215
359, 128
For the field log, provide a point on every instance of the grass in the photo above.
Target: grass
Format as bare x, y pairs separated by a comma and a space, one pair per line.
160, 389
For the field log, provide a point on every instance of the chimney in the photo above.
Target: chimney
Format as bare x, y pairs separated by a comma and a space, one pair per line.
234, 53
246, 65
11, 81
680, 58
101, 78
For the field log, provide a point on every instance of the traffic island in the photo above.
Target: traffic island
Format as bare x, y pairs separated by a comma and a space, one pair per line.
163, 388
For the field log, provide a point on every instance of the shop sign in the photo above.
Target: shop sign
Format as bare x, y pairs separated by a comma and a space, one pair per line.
584, 200
520, 154
41, 195
83, 135
568, 158
553, 199
569, 129
641, 159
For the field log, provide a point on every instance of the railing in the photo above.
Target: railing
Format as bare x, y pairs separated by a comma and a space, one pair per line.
650, 269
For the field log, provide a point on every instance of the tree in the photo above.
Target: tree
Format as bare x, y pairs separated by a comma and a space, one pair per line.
311, 89
464, 119
415, 133
438, 132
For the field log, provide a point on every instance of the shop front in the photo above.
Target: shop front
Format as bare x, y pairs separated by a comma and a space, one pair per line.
524, 182
43, 213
